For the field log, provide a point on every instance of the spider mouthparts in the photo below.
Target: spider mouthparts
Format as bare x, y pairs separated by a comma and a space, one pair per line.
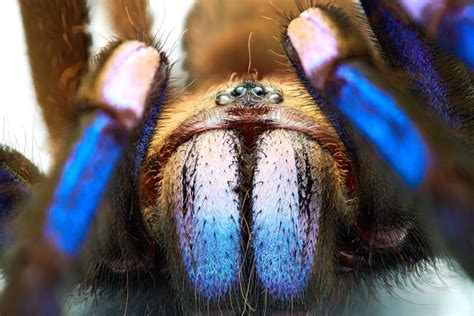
212, 193
250, 122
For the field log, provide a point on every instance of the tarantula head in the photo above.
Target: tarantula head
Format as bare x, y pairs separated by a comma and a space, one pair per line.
245, 188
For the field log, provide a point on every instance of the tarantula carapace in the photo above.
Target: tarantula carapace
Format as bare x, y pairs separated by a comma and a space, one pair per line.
319, 150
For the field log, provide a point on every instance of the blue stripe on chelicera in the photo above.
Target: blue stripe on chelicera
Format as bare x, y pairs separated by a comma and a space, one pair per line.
208, 214
213, 263
281, 265
284, 223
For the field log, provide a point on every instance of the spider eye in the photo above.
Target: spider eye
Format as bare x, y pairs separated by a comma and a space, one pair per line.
223, 99
275, 98
259, 91
239, 91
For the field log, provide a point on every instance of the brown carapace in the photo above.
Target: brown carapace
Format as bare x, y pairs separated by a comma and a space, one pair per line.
245, 192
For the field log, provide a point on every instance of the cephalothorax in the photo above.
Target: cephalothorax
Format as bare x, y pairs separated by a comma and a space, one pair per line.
323, 167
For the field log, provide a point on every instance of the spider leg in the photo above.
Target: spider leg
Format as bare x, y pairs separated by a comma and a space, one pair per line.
416, 144
450, 23
18, 177
58, 53
131, 20
445, 84
114, 98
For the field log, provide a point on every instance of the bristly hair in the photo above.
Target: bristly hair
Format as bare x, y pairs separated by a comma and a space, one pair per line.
58, 51
131, 19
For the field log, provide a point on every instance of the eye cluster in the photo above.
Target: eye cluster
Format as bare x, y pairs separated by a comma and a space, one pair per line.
250, 93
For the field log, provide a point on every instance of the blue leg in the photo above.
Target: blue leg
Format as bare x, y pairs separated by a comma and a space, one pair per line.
421, 150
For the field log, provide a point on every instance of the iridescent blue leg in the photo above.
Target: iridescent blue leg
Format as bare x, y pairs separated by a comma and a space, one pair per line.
444, 83
419, 148
120, 90
115, 97
450, 23
84, 178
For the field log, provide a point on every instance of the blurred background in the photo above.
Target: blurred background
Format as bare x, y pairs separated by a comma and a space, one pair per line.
443, 292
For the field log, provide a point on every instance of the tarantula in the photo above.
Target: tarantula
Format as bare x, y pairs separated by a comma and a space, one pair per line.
319, 150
